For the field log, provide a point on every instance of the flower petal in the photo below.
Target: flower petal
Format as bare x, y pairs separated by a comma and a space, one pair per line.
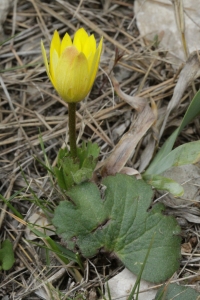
95, 65
90, 46
53, 65
55, 44
44, 55
66, 42
80, 77
80, 38
46, 63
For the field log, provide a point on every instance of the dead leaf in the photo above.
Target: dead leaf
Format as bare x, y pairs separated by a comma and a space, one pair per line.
131, 171
186, 248
5, 6
147, 154
151, 140
190, 72
126, 146
41, 224
191, 217
138, 103
121, 285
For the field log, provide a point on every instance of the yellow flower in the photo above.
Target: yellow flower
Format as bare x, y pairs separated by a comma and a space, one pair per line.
73, 65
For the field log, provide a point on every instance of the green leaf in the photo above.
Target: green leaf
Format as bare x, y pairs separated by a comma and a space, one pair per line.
12, 208
176, 292
183, 155
6, 255
192, 111
71, 171
62, 154
64, 254
164, 183
119, 223
82, 175
64, 173
87, 150
57, 249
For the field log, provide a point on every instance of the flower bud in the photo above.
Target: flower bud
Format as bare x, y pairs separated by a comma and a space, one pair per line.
73, 65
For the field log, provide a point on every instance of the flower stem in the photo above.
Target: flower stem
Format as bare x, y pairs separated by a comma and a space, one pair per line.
72, 128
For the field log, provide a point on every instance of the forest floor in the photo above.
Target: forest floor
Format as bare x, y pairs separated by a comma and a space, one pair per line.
31, 110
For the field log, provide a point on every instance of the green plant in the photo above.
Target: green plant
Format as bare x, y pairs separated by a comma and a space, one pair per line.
115, 219
166, 158
6, 256
118, 223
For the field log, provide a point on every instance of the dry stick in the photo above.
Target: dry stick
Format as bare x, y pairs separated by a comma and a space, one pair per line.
107, 139
34, 140
45, 136
67, 268
14, 21
41, 19
33, 272
145, 77
7, 195
59, 17
80, 117
180, 22
78, 7
21, 249
40, 117
102, 115
13, 110
94, 27
6, 281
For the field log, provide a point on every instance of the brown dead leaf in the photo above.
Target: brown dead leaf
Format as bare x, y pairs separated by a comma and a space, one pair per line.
193, 241
5, 6
190, 71
138, 103
126, 146
148, 152
131, 171
186, 248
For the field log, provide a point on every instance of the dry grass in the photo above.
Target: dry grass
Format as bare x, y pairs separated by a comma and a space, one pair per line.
29, 106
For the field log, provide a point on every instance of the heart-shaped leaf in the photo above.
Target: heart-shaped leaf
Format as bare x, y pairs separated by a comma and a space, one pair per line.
119, 222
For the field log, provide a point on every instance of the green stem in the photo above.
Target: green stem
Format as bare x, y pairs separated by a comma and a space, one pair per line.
72, 128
